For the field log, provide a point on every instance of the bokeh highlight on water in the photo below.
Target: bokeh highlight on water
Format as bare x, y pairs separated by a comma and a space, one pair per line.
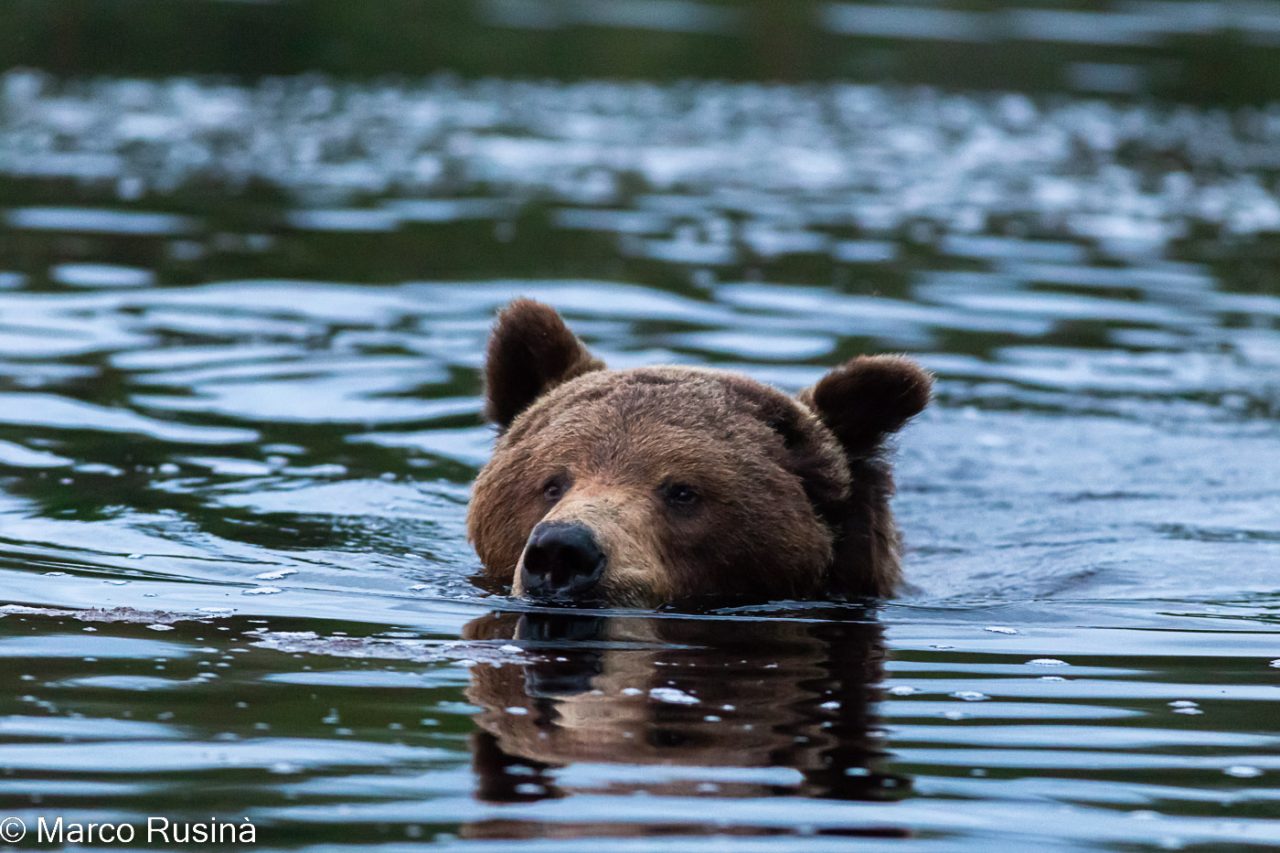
240, 326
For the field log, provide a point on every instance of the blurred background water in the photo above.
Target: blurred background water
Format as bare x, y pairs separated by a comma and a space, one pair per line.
249, 254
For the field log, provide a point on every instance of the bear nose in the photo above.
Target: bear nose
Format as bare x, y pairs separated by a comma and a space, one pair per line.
561, 560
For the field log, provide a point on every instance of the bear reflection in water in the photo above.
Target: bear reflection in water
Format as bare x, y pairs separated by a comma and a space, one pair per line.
668, 690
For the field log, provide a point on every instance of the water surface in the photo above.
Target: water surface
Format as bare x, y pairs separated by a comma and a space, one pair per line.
240, 328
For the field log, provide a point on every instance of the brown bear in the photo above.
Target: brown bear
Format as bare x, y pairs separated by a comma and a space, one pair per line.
660, 485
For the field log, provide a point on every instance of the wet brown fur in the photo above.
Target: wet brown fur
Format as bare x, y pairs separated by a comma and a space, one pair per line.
794, 491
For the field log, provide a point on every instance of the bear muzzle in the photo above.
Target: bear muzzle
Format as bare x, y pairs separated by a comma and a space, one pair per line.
562, 562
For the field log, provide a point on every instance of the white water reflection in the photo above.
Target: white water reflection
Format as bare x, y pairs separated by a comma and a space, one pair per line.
1131, 179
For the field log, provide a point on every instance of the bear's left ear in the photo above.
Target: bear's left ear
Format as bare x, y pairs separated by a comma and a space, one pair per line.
530, 352
865, 399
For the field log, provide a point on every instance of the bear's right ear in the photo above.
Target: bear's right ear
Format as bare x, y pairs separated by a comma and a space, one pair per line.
865, 399
530, 352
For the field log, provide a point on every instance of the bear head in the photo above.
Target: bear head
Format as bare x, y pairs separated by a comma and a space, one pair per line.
670, 484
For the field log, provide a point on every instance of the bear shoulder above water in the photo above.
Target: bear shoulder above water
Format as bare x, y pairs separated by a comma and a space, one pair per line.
662, 484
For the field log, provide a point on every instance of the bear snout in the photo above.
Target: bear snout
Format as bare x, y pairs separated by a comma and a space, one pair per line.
562, 561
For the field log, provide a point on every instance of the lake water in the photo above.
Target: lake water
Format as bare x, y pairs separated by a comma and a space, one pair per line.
240, 327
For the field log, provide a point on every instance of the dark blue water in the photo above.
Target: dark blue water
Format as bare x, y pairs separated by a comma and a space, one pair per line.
239, 333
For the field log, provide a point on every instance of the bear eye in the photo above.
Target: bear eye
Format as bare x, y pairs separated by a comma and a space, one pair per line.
555, 488
680, 495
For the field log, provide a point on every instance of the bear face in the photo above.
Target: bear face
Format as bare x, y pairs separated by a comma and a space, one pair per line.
665, 484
